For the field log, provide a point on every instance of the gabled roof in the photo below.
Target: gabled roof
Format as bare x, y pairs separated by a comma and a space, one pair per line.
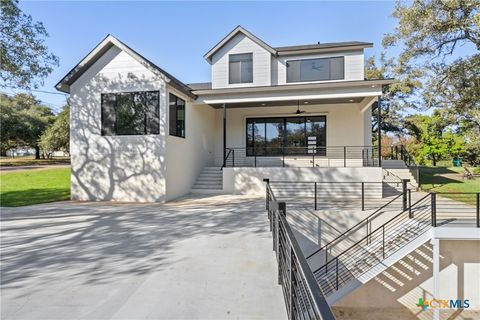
237, 30
100, 50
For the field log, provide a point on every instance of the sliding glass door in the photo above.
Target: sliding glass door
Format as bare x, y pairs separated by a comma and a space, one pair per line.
286, 135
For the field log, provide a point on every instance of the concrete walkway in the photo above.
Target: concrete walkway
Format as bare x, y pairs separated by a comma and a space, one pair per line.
207, 258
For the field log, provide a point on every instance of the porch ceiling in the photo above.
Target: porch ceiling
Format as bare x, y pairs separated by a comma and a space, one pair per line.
293, 103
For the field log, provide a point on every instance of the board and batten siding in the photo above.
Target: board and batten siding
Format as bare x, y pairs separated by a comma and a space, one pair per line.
241, 44
354, 66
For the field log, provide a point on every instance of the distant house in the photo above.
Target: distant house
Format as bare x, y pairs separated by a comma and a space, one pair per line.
285, 113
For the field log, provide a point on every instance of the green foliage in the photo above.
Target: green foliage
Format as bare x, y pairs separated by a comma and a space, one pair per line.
435, 138
22, 121
57, 136
396, 97
27, 187
25, 58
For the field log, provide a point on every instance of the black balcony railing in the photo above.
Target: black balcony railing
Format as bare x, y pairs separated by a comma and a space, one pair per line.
399, 152
309, 156
303, 297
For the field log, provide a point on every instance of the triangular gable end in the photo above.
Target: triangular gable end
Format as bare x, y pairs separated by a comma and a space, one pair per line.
110, 41
231, 35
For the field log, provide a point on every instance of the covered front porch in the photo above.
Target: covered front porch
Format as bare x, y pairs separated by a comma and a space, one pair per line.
312, 125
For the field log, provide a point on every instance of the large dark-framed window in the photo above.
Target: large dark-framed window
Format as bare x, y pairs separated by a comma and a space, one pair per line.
240, 68
130, 113
176, 116
318, 69
286, 135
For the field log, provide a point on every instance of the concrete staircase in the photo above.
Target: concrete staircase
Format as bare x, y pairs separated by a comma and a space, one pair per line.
395, 170
210, 180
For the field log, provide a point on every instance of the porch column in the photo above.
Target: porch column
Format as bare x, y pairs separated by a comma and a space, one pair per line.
224, 134
379, 125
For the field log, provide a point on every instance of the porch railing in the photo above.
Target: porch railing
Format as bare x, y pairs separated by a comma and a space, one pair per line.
308, 156
303, 297
399, 152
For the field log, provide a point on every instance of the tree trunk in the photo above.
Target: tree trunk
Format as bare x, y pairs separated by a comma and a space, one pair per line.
434, 161
37, 152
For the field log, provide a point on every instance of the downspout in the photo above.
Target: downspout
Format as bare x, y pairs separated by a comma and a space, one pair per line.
379, 126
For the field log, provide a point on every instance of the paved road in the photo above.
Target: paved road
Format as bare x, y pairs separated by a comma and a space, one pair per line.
192, 259
32, 167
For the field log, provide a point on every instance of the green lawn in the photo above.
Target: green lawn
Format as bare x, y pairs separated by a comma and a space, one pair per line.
449, 179
26, 187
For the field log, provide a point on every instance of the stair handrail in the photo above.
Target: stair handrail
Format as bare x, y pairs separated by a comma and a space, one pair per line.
409, 160
371, 216
229, 151
369, 235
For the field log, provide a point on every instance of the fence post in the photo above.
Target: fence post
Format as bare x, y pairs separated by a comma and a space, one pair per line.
326, 258
336, 271
410, 213
404, 193
233, 158
255, 157
434, 208
315, 196
292, 282
363, 196
319, 231
282, 207
478, 210
267, 196
383, 241
344, 156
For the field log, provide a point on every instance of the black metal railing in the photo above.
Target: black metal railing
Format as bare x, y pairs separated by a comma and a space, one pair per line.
432, 210
365, 195
361, 229
309, 156
303, 297
399, 152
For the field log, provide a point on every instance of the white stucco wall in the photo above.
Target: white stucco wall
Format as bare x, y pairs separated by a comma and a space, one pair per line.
346, 125
250, 180
122, 168
187, 156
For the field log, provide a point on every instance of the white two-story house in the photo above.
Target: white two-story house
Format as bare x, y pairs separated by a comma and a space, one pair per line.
283, 113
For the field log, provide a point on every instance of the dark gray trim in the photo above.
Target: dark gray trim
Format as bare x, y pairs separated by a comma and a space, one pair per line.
233, 33
108, 42
293, 87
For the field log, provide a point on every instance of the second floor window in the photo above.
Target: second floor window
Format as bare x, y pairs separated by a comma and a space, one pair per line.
240, 68
315, 69
177, 116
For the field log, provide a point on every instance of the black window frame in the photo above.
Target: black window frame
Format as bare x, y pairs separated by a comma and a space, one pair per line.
147, 127
310, 59
251, 150
230, 69
172, 131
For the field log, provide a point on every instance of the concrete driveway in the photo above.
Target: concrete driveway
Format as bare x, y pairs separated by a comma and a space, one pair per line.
197, 258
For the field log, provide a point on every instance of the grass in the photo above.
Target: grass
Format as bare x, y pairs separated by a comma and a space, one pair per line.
449, 179
31, 161
27, 187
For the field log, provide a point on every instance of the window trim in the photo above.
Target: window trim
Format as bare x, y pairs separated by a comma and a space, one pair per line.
237, 54
284, 138
176, 111
324, 58
115, 134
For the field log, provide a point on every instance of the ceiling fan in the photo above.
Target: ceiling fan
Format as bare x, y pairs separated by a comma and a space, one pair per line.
298, 108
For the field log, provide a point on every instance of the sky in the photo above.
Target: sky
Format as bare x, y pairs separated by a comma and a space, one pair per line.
176, 35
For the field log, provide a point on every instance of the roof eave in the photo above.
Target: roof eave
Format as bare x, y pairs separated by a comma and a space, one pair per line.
233, 33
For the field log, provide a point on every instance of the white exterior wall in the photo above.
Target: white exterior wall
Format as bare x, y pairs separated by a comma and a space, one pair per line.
354, 66
187, 156
250, 180
346, 125
241, 44
121, 168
